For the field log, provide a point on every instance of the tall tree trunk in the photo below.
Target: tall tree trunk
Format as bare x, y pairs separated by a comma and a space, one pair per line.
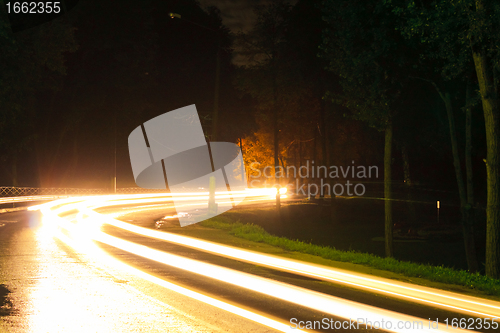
330, 153
313, 161
42, 143
276, 148
296, 162
15, 181
314, 147
244, 177
469, 217
470, 249
301, 159
454, 148
322, 127
468, 146
412, 216
71, 172
389, 249
491, 119
215, 114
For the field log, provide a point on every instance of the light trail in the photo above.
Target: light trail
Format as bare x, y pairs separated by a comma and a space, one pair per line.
424, 295
88, 228
314, 300
83, 234
324, 303
81, 241
446, 300
28, 198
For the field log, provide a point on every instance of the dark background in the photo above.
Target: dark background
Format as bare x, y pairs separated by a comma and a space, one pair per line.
82, 82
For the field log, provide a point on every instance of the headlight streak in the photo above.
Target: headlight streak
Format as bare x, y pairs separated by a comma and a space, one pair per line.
79, 241
448, 300
30, 198
83, 205
297, 295
103, 257
300, 296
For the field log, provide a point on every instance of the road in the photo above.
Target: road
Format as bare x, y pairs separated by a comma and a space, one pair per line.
96, 264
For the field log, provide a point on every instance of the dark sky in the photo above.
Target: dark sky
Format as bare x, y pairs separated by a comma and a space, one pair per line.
236, 14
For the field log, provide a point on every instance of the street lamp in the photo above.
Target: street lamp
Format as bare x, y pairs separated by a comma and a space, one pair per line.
215, 112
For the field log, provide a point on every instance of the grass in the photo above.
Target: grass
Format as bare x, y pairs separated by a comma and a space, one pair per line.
433, 273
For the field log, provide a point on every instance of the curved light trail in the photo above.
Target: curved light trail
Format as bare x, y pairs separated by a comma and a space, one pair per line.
88, 225
443, 299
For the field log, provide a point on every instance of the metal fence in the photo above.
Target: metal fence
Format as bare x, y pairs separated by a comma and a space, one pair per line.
133, 190
29, 191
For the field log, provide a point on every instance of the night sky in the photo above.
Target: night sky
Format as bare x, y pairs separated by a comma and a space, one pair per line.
236, 14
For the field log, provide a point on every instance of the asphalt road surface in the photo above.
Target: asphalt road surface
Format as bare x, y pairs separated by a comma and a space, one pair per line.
70, 268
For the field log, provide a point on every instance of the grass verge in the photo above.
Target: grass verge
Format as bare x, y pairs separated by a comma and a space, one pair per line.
440, 274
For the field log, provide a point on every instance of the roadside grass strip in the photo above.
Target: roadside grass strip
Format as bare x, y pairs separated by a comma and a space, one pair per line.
441, 274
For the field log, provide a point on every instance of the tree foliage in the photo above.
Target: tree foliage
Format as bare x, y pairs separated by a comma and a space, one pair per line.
31, 61
465, 32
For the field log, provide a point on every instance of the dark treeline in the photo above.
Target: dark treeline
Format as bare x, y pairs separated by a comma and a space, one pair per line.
70, 84
409, 86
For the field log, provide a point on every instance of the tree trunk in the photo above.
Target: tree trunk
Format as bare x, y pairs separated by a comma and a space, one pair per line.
296, 162
412, 216
470, 249
468, 147
389, 250
491, 120
15, 181
469, 217
323, 141
329, 160
42, 143
301, 180
215, 114
276, 149
243, 171
314, 147
314, 178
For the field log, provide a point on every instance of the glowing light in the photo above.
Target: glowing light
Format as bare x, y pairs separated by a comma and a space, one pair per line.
314, 300
82, 241
453, 301
176, 216
65, 300
324, 303
297, 295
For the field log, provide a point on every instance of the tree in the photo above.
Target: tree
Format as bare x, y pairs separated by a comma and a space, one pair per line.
31, 62
463, 31
364, 49
265, 76
465, 193
304, 37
